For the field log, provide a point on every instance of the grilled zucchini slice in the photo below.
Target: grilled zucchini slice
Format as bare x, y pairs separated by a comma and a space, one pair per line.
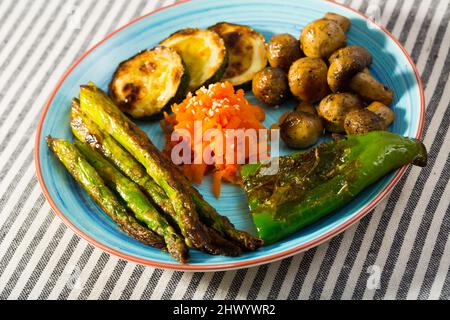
149, 81
246, 51
202, 51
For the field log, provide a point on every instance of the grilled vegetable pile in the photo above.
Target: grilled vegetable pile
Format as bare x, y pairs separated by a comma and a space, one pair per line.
321, 69
219, 108
151, 199
112, 158
312, 184
149, 82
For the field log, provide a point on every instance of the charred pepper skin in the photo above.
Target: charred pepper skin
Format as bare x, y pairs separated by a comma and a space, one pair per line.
94, 185
136, 201
324, 179
85, 130
102, 111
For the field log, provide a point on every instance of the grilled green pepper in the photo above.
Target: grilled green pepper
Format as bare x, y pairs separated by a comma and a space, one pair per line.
309, 185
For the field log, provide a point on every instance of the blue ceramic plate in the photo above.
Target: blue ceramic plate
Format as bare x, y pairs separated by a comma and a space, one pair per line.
391, 65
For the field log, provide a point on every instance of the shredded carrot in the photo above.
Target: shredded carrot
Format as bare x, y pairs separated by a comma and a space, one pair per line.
219, 107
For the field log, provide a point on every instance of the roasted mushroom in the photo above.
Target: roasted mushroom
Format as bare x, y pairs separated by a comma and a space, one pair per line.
270, 86
383, 111
360, 54
334, 107
344, 22
307, 79
301, 129
369, 89
344, 64
362, 121
348, 71
282, 50
321, 38
306, 107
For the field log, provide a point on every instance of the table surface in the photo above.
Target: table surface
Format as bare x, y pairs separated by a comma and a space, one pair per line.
400, 250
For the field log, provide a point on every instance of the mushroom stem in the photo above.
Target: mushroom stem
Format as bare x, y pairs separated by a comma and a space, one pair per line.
369, 89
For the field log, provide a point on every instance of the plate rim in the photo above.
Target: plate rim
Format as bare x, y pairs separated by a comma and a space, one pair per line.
238, 264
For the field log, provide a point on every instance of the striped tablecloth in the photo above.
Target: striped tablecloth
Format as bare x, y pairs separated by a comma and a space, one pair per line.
400, 250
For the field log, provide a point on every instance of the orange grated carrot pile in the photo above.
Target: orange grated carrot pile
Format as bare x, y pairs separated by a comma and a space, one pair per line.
218, 107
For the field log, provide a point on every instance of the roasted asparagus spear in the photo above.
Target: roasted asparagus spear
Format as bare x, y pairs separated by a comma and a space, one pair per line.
84, 129
101, 110
89, 179
136, 201
87, 131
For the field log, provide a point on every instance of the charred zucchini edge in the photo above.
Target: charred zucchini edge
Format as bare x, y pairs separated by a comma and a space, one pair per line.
259, 60
178, 92
217, 65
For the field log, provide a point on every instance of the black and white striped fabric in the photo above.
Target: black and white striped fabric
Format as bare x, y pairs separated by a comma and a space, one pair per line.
401, 250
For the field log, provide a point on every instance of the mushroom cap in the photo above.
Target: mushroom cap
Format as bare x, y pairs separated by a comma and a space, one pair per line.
362, 121
334, 107
344, 64
344, 22
321, 38
307, 107
383, 111
270, 86
307, 79
282, 50
301, 129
